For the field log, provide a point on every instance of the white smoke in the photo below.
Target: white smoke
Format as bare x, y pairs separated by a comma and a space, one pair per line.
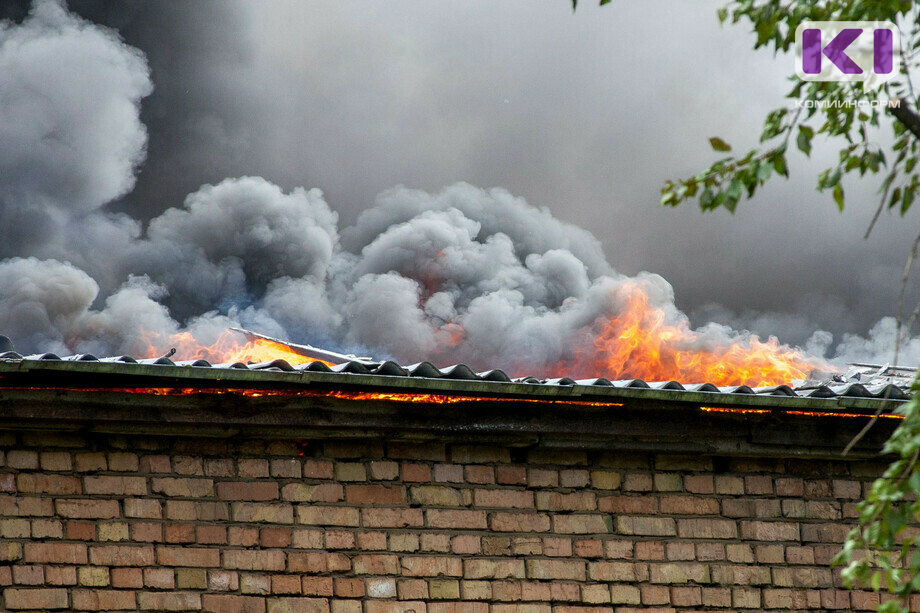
464, 274
878, 346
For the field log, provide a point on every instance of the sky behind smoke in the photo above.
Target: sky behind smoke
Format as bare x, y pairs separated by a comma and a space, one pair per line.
584, 114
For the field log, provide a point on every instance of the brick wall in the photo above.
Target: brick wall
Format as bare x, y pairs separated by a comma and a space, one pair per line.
107, 522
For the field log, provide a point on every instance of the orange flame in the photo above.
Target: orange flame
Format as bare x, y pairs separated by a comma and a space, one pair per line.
750, 411
640, 343
229, 347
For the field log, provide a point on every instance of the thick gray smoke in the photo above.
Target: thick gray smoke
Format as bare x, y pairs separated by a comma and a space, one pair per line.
70, 134
463, 274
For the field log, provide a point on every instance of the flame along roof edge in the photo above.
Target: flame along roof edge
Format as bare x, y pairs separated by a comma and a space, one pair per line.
462, 372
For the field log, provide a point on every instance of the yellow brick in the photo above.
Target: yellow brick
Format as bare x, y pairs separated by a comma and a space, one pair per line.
15, 528
668, 482
646, 526
679, 573
444, 589
605, 480
404, 542
624, 594
350, 471
726, 484
93, 576
10, 552
596, 594
191, 579
384, 470
435, 495
116, 531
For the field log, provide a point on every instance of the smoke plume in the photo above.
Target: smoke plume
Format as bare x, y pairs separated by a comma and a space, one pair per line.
461, 274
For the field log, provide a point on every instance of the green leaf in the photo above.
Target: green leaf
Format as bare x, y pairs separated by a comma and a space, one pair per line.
895, 520
733, 194
718, 144
907, 199
723, 14
822, 178
779, 165
891, 606
773, 125
804, 139
838, 196
669, 198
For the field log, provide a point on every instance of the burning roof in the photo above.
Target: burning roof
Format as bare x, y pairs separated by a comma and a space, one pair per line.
262, 353
262, 383
314, 399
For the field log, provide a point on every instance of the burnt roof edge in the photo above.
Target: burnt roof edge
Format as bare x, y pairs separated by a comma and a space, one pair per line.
89, 397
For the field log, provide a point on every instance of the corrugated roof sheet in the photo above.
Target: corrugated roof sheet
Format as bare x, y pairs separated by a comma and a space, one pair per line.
881, 383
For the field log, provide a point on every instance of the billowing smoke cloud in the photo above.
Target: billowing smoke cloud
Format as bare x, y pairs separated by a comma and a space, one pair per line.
231, 240
463, 274
69, 124
42, 301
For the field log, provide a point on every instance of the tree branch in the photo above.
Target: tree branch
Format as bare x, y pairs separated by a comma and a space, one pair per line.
908, 118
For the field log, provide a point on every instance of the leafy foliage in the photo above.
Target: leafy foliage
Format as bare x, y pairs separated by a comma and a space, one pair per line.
882, 551
845, 115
